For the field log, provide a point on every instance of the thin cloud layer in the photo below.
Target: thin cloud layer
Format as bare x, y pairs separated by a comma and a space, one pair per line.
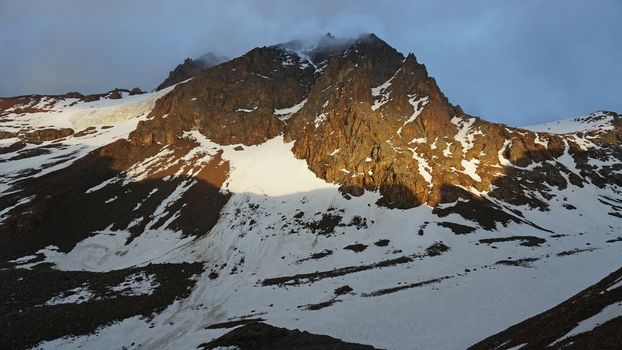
517, 62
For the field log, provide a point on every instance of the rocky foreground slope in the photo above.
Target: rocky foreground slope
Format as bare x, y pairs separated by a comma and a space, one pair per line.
589, 320
330, 187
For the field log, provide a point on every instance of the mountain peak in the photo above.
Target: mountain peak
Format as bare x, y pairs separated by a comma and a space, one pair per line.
371, 37
411, 65
322, 45
191, 67
326, 45
361, 94
211, 59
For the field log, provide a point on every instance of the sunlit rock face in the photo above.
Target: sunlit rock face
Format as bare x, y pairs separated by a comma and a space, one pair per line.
364, 116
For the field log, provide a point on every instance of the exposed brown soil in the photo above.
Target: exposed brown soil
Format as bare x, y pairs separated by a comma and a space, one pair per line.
478, 210
88, 131
28, 153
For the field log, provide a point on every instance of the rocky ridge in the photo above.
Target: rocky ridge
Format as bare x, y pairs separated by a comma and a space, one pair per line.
191, 67
364, 116
367, 118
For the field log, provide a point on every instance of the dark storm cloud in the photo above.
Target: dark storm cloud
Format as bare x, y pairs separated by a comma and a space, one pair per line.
517, 62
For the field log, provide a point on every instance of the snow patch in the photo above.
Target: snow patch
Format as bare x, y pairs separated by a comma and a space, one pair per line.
287, 113
605, 315
598, 121
270, 169
77, 295
470, 168
380, 94
247, 110
464, 135
418, 105
137, 284
319, 119
616, 284
424, 168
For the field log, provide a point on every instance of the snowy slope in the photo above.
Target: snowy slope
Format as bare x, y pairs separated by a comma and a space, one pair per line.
101, 122
597, 121
590, 319
422, 300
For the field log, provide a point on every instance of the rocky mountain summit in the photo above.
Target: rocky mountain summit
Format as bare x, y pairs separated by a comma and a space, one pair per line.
191, 67
366, 117
327, 186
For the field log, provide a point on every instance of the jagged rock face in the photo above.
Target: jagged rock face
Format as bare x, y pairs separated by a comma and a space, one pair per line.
365, 117
377, 121
374, 122
540, 162
233, 102
182, 72
189, 68
360, 118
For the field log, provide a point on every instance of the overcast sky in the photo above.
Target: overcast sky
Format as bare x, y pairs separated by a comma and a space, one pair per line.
518, 62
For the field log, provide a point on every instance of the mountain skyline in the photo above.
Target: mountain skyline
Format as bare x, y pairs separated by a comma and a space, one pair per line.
305, 196
518, 63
